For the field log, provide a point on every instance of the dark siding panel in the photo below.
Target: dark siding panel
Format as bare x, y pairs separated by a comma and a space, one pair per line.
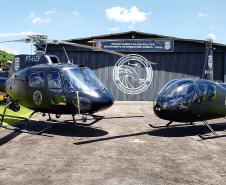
218, 67
185, 62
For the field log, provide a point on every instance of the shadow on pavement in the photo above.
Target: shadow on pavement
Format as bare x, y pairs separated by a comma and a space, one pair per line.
9, 137
185, 131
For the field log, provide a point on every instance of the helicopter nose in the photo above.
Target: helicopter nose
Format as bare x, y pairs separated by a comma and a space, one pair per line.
107, 101
161, 112
104, 101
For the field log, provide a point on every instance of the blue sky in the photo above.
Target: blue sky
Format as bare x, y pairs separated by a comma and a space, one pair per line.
190, 19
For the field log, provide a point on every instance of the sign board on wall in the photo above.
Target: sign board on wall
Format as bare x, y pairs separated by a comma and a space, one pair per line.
147, 45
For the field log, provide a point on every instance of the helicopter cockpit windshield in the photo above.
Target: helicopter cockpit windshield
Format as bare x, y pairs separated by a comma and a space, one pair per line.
176, 94
81, 79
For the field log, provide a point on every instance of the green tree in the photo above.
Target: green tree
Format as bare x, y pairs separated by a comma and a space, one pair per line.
4, 57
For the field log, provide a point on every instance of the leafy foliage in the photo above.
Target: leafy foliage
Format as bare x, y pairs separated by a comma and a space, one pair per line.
4, 57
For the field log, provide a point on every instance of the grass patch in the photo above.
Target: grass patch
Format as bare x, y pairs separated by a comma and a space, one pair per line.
23, 112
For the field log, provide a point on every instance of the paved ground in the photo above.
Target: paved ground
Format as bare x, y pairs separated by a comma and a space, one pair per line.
120, 149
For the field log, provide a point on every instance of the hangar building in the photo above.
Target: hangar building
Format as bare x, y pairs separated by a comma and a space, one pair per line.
138, 79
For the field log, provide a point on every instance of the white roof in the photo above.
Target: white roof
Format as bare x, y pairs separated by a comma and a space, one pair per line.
9, 50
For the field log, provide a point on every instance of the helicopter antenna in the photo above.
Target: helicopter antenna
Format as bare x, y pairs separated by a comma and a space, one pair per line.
45, 48
31, 48
68, 60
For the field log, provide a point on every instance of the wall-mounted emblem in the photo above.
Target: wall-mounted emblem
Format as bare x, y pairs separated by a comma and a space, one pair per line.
99, 45
167, 45
37, 97
17, 63
132, 76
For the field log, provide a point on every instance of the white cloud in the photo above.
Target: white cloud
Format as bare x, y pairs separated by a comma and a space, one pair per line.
75, 13
50, 11
121, 14
113, 29
211, 36
31, 14
47, 20
202, 15
210, 27
37, 20
40, 20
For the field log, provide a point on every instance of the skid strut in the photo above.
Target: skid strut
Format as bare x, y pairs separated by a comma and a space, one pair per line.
25, 129
50, 122
170, 125
215, 135
96, 119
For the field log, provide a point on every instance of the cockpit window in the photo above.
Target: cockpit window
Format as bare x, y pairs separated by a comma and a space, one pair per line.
164, 87
211, 94
180, 95
37, 80
54, 82
94, 77
78, 80
200, 93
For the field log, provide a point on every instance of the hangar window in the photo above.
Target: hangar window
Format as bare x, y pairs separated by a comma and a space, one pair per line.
211, 94
54, 82
36, 80
200, 93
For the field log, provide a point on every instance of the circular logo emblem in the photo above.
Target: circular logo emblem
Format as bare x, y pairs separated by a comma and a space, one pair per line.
132, 76
37, 97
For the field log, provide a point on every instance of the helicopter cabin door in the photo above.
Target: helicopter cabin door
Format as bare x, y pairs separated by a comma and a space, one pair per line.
37, 90
56, 90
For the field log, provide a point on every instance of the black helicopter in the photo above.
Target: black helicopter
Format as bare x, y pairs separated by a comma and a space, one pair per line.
42, 83
190, 100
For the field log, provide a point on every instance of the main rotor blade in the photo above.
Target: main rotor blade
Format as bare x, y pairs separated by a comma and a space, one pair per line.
19, 40
19, 34
104, 50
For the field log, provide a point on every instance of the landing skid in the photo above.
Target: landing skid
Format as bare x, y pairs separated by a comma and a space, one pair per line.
74, 121
25, 130
50, 122
169, 125
84, 119
215, 135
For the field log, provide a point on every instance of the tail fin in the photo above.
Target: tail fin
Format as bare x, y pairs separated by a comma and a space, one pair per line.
207, 72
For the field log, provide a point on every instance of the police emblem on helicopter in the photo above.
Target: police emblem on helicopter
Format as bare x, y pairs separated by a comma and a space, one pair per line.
17, 63
37, 97
132, 76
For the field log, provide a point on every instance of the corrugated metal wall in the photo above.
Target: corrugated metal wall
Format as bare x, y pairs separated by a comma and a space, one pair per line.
185, 62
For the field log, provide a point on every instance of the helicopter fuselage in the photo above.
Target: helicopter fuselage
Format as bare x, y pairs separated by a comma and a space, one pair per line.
59, 89
189, 100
